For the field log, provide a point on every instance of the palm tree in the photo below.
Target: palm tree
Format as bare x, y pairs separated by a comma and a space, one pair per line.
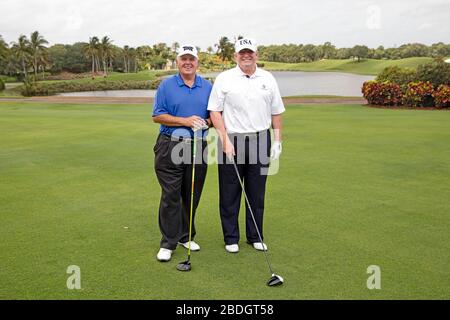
133, 56
22, 51
106, 52
225, 49
37, 47
43, 61
3, 48
126, 51
175, 46
91, 51
115, 52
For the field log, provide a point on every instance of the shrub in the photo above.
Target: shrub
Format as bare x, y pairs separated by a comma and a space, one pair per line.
71, 76
419, 94
2, 85
45, 89
400, 76
436, 72
442, 96
382, 93
154, 84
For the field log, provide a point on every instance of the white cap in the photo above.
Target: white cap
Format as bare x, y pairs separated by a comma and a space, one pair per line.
187, 49
245, 43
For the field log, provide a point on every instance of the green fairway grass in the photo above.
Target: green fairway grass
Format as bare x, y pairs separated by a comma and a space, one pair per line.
356, 187
366, 66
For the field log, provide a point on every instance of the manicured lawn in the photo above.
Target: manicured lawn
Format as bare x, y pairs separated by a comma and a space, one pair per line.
366, 66
356, 187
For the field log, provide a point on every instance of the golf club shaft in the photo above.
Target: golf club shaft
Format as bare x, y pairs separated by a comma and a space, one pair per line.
194, 151
251, 212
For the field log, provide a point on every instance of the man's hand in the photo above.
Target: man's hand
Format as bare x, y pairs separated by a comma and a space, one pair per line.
199, 125
228, 148
275, 150
195, 122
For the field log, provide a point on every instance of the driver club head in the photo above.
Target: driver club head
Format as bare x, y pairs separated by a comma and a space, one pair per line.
275, 280
184, 266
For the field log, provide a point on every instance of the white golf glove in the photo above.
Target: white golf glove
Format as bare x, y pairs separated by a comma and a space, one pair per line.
198, 125
275, 150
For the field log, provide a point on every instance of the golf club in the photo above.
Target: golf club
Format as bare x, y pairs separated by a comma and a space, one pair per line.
275, 280
186, 265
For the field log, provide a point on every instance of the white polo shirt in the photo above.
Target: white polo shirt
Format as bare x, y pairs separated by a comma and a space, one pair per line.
247, 103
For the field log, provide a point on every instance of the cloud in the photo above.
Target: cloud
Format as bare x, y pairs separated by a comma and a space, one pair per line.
139, 22
425, 26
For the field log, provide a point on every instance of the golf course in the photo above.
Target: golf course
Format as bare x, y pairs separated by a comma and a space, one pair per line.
367, 66
356, 187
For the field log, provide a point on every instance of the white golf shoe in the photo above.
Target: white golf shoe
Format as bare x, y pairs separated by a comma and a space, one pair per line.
233, 248
259, 246
164, 254
194, 245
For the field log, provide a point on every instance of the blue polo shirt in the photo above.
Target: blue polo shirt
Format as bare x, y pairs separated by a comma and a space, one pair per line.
177, 99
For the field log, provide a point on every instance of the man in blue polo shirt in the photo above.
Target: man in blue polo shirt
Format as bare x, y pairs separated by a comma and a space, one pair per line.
181, 108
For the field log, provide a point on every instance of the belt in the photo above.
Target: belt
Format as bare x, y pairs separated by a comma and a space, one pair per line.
180, 138
250, 134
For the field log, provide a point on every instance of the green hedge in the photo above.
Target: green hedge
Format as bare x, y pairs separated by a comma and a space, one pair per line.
436, 72
428, 86
442, 96
400, 76
383, 93
46, 89
417, 94
2, 85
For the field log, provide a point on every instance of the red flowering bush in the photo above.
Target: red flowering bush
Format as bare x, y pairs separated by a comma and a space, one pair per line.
442, 96
382, 93
419, 94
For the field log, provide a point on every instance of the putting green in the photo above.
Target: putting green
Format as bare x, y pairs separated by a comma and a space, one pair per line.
356, 187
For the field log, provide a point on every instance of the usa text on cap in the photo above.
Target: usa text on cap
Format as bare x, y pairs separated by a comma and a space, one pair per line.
245, 43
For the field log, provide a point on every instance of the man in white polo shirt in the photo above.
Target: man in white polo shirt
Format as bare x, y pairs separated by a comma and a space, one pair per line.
244, 103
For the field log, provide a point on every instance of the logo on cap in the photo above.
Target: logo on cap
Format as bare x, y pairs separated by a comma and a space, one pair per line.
245, 41
188, 49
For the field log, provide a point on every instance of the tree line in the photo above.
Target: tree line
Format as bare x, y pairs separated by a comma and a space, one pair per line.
99, 55
32, 55
293, 53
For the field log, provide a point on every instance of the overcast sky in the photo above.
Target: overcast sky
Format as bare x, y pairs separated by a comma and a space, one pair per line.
202, 22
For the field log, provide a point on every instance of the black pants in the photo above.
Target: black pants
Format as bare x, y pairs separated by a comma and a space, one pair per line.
252, 159
175, 181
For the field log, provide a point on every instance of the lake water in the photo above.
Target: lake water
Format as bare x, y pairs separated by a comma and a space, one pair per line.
291, 83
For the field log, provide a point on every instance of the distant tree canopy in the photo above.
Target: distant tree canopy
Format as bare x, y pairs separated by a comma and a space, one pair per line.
295, 53
31, 57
